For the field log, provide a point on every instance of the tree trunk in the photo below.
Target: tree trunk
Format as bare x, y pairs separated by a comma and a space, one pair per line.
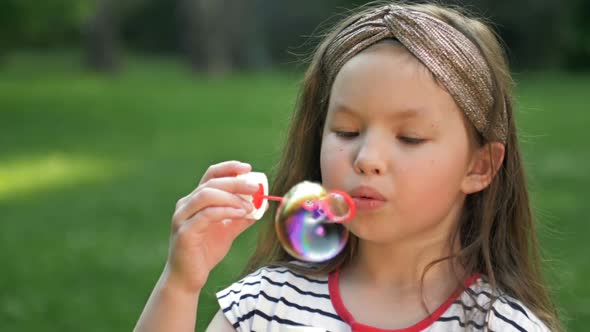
101, 39
219, 36
249, 49
204, 35
190, 35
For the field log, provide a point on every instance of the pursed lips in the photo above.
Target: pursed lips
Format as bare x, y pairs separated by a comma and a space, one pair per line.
367, 198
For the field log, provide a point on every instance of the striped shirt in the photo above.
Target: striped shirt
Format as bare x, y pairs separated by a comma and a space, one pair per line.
278, 299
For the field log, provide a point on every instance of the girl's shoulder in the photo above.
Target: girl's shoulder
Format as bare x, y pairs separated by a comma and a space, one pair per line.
278, 296
484, 305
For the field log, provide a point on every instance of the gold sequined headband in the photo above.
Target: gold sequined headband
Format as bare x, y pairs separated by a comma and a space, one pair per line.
454, 60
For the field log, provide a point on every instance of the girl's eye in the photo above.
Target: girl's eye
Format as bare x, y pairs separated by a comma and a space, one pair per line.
346, 134
411, 140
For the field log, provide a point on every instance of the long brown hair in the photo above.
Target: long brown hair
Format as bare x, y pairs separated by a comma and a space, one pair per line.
496, 229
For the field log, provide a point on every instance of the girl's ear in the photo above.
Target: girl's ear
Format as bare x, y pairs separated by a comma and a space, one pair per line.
484, 164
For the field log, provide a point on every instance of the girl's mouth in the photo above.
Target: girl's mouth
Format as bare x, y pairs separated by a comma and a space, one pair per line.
367, 203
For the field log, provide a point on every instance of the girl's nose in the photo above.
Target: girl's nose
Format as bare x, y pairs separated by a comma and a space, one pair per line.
369, 160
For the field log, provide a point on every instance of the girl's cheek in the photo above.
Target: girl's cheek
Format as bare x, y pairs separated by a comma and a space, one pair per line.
337, 149
421, 173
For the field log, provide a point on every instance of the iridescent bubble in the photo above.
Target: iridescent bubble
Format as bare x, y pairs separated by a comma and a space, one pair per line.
308, 222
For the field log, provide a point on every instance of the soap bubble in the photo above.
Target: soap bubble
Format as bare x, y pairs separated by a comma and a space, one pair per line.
308, 222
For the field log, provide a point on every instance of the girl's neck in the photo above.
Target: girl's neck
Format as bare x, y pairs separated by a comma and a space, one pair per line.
401, 267
391, 276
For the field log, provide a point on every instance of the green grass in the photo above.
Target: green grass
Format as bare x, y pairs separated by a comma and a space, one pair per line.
91, 167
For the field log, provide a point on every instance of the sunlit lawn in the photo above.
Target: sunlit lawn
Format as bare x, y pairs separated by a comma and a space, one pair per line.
91, 167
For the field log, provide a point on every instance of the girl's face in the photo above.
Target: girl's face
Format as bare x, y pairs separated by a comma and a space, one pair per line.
390, 126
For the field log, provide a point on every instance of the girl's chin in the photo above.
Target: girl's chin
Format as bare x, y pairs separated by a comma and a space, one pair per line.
370, 220
371, 230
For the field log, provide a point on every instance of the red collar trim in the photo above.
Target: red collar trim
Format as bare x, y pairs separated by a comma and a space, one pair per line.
333, 283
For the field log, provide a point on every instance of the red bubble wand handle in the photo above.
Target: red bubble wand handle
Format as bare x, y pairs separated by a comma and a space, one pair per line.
259, 197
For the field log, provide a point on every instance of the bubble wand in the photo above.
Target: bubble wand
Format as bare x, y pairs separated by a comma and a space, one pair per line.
322, 203
309, 218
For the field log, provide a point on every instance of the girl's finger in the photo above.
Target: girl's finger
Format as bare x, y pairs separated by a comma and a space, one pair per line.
225, 169
208, 197
203, 218
229, 184
232, 185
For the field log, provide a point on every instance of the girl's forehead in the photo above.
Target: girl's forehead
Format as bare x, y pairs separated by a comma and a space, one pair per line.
388, 78
341, 109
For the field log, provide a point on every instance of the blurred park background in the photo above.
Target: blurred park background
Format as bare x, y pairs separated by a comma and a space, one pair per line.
112, 110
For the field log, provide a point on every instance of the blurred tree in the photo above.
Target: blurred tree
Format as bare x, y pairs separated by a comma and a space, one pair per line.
531, 29
295, 26
101, 39
577, 37
248, 41
219, 36
41, 24
223, 35
102, 31
151, 26
190, 32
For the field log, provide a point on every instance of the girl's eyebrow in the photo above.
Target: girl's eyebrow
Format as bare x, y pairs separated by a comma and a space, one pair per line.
399, 114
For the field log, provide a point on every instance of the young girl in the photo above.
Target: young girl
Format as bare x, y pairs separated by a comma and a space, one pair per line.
408, 108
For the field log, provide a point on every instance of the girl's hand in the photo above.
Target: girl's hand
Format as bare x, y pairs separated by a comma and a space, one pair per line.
206, 222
